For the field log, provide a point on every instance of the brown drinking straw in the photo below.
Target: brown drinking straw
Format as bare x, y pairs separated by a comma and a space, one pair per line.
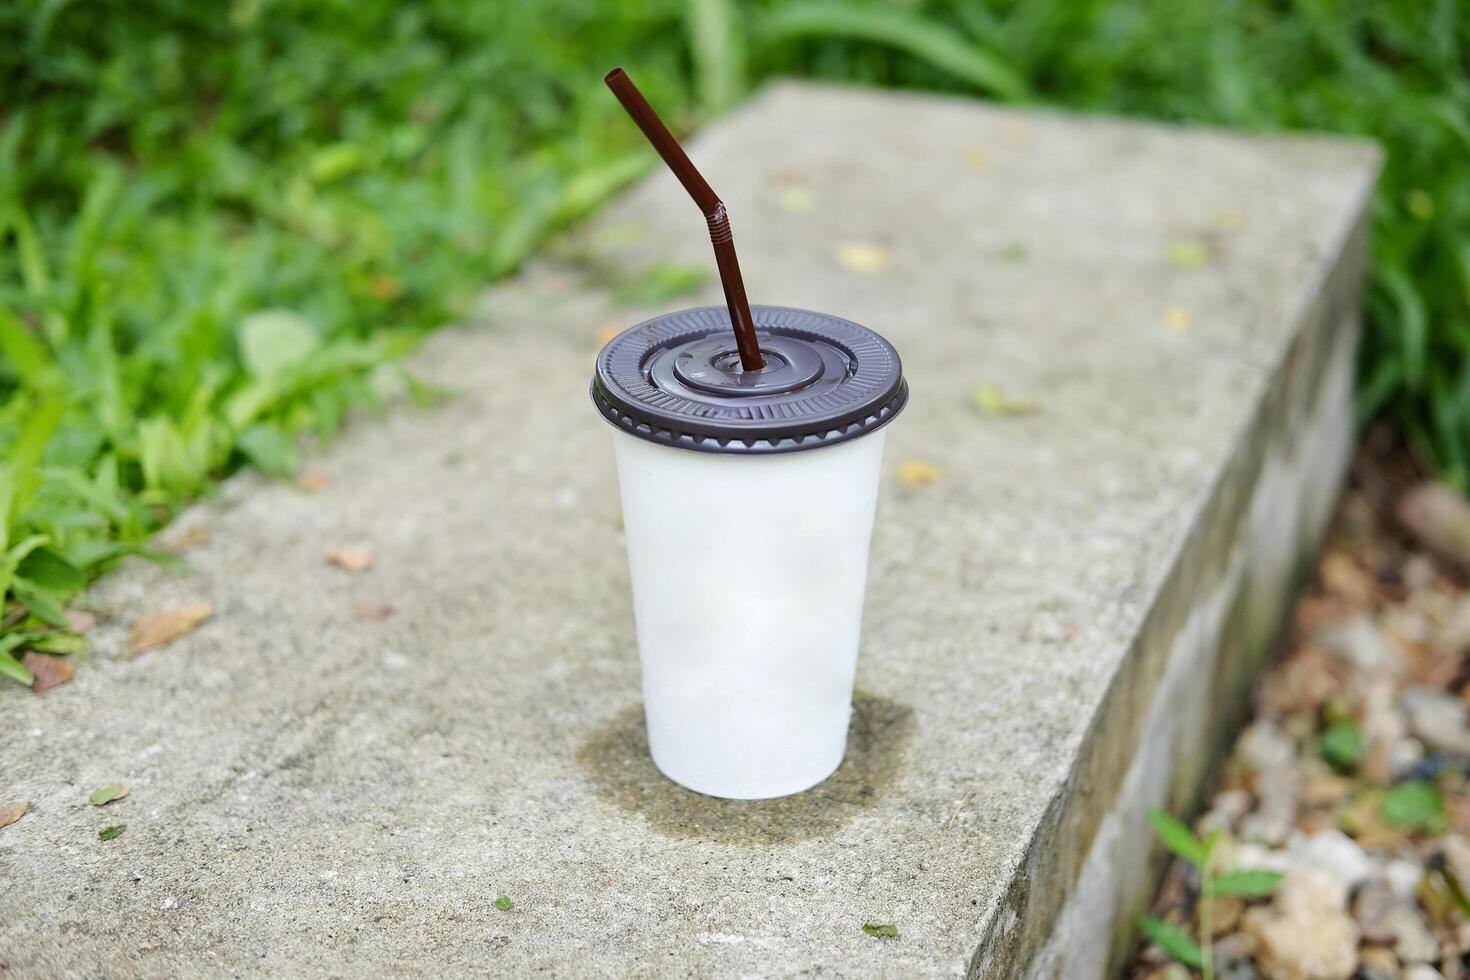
714, 212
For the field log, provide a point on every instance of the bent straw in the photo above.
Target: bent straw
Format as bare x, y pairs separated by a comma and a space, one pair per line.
714, 212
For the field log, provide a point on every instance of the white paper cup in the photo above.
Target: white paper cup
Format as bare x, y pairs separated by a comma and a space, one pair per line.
748, 648
748, 501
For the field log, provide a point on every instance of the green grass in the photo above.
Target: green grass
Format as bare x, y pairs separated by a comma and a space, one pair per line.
220, 225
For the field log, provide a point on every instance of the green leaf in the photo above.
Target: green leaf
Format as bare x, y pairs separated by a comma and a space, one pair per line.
719, 52
504, 904
923, 38
25, 453
885, 931
1414, 805
1187, 253
1246, 884
13, 669
1172, 940
274, 341
47, 569
270, 449
990, 400
106, 794
25, 354
108, 833
43, 605
1341, 745
1178, 838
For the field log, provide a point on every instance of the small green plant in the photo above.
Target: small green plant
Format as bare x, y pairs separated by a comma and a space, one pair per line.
1183, 843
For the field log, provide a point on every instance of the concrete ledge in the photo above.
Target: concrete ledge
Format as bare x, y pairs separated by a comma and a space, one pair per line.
1057, 633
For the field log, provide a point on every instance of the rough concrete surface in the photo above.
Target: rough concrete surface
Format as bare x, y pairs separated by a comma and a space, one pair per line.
316, 795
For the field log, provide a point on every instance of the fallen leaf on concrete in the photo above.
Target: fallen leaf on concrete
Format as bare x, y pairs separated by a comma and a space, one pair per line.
860, 257
80, 620
608, 331
917, 473
372, 612
190, 538
1017, 131
504, 904
1230, 219
1188, 253
155, 629
885, 931
108, 833
1012, 253
1177, 318
1440, 518
10, 814
47, 670
794, 197
991, 400
313, 480
977, 159
351, 559
106, 794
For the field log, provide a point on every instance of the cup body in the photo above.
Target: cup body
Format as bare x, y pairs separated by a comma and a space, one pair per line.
748, 575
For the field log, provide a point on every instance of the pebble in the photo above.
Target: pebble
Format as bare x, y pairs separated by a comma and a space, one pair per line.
1335, 853
1420, 971
1267, 750
1360, 644
1306, 933
1377, 963
1438, 718
1403, 878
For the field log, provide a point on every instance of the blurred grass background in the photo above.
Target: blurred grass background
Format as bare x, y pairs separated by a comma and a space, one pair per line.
220, 224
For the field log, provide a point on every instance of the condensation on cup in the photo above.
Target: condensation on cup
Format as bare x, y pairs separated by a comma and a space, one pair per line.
748, 501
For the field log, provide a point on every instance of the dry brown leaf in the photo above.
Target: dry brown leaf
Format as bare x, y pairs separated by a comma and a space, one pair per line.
10, 814
191, 538
313, 480
385, 287
372, 612
863, 257
155, 629
917, 473
351, 559
80, 620
1177, 318
49, 671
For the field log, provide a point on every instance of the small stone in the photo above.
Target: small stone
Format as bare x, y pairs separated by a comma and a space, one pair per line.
1403, 756
1420, 971
1456, 851
1264, 748
1402, 878
1233, 803
1335, 853
1414, 942
1360, 644
1438, 718
1306, 933
1388, 920
1377, 963
1227, 912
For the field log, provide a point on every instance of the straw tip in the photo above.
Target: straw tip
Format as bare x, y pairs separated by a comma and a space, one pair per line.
613, 75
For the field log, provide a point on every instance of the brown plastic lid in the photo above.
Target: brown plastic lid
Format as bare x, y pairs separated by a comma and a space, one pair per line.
677, 380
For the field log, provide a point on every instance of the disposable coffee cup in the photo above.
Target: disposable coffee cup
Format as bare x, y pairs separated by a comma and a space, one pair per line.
748, 500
